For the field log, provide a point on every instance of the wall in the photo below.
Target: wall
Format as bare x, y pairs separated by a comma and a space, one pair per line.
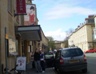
82, 37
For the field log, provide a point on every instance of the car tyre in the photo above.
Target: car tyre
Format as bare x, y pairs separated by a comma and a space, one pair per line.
84, 70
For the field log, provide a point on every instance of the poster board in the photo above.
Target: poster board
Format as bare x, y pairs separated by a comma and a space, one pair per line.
21, 62
30, 18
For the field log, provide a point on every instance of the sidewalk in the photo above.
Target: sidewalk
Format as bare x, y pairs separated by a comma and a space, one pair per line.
48, 71
31, 71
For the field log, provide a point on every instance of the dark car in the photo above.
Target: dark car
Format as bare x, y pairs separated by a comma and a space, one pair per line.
49, 59
70, 59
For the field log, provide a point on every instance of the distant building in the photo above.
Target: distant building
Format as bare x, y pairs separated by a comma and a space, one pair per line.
61, 44
83, 36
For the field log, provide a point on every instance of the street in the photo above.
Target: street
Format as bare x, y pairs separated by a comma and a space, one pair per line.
91, 59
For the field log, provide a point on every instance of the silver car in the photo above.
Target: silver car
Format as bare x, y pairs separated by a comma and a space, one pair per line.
70, 59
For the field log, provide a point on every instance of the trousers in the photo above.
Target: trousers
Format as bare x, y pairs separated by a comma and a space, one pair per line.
38, 66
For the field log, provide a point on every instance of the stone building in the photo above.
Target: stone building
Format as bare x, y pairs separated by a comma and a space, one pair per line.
8, 21
83, 36
17, 39
61, 44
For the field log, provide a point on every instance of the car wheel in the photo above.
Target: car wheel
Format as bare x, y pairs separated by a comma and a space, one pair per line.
84, 70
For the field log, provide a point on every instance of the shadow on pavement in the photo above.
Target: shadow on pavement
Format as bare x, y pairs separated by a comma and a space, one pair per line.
72, 72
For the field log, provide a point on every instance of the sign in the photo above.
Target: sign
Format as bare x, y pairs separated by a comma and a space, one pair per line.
12, 47
21, 6
30, 18
21, 62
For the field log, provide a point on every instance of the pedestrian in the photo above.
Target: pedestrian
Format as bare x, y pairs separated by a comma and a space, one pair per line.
42, 61
37, 61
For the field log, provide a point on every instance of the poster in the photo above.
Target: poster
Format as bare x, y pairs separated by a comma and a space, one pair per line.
30, 18
21, 62
12, 47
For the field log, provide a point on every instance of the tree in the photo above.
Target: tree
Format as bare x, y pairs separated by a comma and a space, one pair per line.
50, 39
51, 43
69, 32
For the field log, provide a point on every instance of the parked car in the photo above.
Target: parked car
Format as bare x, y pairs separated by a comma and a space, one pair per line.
49, 59
90, 51
70, 59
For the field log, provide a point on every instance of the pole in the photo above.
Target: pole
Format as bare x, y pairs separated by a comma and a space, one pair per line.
6, 52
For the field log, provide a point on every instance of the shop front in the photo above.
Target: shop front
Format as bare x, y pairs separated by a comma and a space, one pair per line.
28, 38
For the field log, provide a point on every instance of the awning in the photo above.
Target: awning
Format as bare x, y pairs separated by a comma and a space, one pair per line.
30, 33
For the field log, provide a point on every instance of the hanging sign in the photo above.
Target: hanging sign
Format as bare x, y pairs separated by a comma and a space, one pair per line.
21, 6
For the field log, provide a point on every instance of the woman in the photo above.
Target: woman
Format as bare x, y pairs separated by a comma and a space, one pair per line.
42, 61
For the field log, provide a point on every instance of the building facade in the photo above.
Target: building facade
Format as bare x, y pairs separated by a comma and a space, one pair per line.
44, 42
17, 39
61, 44
83, 36
7, 33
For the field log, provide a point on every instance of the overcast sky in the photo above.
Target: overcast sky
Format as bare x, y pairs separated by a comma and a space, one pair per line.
58, 16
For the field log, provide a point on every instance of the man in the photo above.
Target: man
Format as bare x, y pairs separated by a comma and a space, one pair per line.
37, 61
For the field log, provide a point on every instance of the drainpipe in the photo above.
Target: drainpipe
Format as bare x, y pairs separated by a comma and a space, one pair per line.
0, 39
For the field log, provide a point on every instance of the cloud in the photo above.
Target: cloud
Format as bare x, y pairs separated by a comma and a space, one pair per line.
57, 34
64, 11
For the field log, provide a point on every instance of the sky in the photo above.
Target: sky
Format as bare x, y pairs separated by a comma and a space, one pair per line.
56, 17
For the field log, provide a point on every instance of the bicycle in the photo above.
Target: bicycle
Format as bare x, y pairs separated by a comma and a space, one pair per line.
12, 71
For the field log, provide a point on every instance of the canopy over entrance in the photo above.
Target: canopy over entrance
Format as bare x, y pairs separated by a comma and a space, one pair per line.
30, 33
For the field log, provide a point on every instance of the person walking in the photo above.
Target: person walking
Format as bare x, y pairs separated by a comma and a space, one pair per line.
42, 61
37, 61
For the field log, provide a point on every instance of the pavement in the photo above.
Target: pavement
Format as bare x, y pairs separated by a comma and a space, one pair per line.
30, 70
47, 71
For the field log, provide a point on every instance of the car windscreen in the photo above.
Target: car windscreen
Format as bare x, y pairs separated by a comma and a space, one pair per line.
49, 55
72, 52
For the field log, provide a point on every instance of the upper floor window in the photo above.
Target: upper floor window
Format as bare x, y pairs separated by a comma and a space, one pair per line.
90, 21
10, 6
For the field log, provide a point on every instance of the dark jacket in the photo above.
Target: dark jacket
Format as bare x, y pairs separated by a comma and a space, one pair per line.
36, 56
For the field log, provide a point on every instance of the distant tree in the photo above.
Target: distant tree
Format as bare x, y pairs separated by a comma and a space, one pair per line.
50, 38
69, 32
51, 43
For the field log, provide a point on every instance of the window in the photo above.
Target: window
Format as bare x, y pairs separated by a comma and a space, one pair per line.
91, 20
72, 52
10, 6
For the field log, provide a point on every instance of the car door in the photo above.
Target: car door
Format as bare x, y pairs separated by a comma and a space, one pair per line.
57, 59
49, 59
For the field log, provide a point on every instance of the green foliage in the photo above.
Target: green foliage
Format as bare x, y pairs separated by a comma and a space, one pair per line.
51, 43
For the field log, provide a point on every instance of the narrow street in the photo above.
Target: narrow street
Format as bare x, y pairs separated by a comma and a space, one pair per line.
91, 58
